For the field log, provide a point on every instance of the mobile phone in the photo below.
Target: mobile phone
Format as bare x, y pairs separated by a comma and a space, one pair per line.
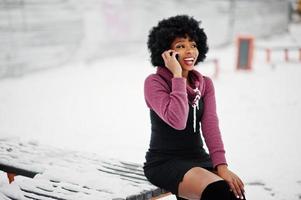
177, 56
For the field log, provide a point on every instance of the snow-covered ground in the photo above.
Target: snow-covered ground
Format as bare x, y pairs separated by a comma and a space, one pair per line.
100, 108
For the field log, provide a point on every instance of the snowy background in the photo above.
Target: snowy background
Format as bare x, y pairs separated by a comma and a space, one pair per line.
95, 103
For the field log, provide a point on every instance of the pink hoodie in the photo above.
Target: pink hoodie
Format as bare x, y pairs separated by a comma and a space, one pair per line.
169, 98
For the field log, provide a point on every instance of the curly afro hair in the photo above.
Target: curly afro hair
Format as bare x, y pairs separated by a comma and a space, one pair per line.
161, 37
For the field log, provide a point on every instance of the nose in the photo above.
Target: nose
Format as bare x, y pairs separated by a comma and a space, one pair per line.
189, 50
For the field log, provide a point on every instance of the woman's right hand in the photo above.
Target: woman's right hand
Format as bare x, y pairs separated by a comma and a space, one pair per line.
172, 63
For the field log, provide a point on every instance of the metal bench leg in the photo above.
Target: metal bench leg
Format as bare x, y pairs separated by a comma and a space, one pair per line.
161, 196
11, 177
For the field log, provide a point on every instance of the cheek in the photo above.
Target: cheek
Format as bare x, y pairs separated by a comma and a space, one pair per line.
181, 53
196, 55
197, 52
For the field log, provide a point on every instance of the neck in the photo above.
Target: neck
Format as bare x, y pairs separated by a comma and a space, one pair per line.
185, 74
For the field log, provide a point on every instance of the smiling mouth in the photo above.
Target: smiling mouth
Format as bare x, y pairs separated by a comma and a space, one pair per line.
189, 61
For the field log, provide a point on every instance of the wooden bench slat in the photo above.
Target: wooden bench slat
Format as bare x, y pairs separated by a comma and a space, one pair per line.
15, 170
55, 174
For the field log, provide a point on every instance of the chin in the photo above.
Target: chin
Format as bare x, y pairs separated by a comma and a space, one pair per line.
188, 68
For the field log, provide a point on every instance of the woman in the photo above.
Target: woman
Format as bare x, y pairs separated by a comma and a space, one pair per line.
182, 106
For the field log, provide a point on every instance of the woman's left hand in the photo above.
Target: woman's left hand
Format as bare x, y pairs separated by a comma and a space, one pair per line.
232, 179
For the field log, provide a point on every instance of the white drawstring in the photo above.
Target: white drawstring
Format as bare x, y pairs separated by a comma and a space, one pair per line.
194, 118
195, 106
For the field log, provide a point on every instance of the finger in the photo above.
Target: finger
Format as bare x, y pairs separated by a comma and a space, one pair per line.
244, 197
167, 53
241, 184
237, 187
176, 55
233, 189
164, 57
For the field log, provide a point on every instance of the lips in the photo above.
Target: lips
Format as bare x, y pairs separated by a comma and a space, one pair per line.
189, 60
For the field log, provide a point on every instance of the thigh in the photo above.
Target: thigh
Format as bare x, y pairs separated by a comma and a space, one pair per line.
195, 181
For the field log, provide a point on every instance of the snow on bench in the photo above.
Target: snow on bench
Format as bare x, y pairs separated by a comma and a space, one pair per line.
53, 173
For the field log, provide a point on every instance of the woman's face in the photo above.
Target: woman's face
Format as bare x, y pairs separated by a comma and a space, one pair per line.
188, 52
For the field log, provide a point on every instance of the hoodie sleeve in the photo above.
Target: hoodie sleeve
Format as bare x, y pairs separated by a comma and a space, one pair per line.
171, 106
210, 127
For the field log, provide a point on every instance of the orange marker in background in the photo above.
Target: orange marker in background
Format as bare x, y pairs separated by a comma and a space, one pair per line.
245, 49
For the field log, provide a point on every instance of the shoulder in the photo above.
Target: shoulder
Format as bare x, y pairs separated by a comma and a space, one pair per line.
208, 84
152, 77
208, 80
155, 80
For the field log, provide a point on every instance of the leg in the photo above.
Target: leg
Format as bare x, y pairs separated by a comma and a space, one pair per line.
219, 190
195, 181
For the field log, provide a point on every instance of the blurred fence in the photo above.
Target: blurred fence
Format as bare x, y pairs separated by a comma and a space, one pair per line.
39, 34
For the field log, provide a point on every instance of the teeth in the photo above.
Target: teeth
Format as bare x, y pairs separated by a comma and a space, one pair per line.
189, 59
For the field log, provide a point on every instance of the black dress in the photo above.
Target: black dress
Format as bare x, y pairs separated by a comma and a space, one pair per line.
174, 152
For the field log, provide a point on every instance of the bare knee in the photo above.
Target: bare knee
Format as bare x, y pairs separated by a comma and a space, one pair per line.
195, 181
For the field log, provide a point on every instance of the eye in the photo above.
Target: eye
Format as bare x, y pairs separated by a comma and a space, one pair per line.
180, 46
194, 46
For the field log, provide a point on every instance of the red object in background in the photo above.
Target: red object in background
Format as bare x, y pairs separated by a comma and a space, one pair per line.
286, 50
268, 55
286, 58
245, 49
216, 68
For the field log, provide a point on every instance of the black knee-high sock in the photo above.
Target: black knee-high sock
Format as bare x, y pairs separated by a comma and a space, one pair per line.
218, 190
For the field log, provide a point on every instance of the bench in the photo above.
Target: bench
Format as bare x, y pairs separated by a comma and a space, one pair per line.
48, 173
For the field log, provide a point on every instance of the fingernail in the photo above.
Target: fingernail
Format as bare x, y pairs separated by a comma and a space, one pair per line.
237, 196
